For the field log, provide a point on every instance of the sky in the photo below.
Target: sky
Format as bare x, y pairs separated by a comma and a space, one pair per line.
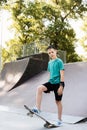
6, 34
79, 33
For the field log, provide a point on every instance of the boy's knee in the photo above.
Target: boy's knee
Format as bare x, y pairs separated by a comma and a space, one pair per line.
58, 102
41, 88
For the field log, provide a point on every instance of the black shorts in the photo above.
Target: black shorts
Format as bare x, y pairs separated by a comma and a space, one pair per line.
53, 87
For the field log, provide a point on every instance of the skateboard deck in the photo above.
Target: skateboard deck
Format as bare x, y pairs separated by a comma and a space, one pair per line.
47, 124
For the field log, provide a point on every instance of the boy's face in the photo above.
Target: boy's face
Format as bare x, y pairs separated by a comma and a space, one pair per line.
52, 53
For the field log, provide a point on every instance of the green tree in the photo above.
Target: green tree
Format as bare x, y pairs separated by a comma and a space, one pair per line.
2, 2
43, 23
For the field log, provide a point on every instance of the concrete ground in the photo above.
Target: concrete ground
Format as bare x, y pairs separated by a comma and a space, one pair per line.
17, 119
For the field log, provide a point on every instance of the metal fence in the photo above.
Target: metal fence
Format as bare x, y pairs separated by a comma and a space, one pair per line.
19, 51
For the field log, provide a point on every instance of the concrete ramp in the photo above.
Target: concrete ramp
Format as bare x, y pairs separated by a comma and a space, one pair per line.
75, 93
74, 98
11, 74
17, 72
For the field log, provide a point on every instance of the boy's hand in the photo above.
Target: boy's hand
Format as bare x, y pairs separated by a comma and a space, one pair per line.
60, 90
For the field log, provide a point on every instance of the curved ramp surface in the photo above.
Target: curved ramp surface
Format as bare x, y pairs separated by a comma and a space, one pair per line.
11, 74
17, 72
75, 93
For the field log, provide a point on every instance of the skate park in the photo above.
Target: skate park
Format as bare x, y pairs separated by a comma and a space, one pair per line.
18, 83
27, 27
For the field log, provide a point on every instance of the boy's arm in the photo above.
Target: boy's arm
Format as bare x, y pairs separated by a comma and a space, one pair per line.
60, 90
61, 75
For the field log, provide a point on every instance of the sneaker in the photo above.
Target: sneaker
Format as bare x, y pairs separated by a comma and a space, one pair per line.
59, 123
36, 110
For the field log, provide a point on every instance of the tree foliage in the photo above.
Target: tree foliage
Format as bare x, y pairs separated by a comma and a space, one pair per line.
36, 22
2, 2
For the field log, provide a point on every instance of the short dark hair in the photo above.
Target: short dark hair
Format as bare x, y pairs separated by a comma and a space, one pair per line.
51, 47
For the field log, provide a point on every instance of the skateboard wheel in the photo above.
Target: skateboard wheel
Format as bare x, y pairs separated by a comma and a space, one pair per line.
30, 114
46, 125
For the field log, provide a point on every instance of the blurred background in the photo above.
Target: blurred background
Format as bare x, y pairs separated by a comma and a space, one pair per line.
28, 26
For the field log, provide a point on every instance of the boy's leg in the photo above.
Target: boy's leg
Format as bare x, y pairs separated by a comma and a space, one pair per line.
59, 108
58, 99
39, 92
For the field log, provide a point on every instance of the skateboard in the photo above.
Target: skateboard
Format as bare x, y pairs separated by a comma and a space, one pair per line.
47, 124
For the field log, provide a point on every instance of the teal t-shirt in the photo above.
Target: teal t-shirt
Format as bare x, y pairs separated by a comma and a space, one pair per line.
54, 67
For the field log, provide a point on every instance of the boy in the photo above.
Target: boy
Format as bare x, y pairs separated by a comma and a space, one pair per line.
55, 83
